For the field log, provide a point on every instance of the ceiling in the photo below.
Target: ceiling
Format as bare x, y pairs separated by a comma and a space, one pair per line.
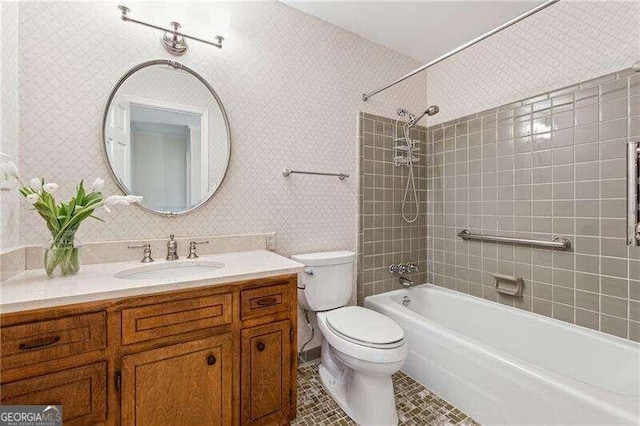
423, 30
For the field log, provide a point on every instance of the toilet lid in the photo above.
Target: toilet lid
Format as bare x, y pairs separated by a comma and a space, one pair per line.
364, 325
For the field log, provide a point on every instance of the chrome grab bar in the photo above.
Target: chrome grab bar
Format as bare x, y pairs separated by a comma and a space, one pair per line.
633, 228
560, 243
289, 172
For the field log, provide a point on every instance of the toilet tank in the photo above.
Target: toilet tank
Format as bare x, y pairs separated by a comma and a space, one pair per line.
326, 281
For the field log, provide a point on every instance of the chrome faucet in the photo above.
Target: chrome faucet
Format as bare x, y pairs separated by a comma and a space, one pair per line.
406, 282
404, 268
172, 248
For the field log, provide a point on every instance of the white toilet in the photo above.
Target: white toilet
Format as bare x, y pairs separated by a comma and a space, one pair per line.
361, 348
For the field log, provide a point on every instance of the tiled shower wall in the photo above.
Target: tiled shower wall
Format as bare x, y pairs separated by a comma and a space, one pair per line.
384, 237
551, 165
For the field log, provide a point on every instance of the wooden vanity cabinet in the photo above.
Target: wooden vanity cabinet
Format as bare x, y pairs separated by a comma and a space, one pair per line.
185, 384
217, 355
82, 391
266, 386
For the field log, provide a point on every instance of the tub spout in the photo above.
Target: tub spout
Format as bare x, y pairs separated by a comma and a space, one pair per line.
406, 282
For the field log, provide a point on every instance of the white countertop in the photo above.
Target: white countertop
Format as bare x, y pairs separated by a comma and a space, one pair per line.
34, 290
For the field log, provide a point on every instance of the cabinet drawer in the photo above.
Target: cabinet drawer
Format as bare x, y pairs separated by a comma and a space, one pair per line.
81, 391
41, 341
265, 301
175, 317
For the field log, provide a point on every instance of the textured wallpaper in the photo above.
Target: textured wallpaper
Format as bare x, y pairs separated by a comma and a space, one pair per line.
565, 43
291, 85
9, 203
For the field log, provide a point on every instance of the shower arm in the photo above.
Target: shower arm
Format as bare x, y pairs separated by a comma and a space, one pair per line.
366, 96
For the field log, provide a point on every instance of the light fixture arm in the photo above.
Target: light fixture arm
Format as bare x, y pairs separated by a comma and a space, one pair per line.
172, 33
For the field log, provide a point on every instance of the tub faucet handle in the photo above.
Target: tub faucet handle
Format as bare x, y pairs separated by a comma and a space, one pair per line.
404, 268
412, 268
395, 269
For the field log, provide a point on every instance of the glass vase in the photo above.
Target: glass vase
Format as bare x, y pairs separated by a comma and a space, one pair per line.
62, 255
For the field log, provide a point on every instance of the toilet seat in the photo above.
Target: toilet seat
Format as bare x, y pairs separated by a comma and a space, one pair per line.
390, 353
365, 327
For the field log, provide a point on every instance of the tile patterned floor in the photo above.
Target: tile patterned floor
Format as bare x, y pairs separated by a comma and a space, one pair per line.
416, 405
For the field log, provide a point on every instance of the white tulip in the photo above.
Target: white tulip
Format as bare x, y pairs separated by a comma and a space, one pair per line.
97, 185
32, 198
10, 169
123, 200
51, 188
133, 199
36, 184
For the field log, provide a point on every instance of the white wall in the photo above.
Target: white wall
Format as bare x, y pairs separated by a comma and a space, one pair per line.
9, 203
566, 43
291, 86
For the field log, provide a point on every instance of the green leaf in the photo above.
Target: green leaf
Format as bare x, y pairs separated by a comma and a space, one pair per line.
81, 193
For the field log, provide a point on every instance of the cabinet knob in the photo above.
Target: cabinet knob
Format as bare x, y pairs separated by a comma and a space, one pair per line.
261, 346
211, 360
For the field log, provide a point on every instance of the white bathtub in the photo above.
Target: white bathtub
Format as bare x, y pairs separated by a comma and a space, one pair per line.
502, 365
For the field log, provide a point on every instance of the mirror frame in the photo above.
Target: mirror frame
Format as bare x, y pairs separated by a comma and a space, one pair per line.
105, 114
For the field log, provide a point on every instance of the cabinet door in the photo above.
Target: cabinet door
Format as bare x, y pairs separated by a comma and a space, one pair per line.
184, 384
81, 391
266, 373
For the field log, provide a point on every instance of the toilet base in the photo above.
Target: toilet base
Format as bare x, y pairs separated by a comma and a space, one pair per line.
368, 400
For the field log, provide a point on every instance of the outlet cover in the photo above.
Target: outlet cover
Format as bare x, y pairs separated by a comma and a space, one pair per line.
272, 243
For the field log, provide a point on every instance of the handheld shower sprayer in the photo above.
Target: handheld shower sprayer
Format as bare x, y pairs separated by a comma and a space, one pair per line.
413, 120
408, 148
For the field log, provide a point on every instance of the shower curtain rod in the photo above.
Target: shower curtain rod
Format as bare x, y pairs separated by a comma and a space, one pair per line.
366, 96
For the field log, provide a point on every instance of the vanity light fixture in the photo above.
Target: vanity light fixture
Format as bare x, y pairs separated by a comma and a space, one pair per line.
173, 40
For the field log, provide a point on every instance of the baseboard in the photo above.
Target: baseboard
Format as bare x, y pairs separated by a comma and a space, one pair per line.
309, 355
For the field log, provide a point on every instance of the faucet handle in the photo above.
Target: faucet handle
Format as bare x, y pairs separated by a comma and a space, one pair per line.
192, 248
412, 268
147, 252
404, 268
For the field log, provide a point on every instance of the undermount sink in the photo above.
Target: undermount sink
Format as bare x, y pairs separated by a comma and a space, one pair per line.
169, 270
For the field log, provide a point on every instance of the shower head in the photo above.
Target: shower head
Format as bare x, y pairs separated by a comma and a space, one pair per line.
432, 110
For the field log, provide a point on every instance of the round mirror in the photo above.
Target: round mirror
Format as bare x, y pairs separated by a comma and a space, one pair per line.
165, 136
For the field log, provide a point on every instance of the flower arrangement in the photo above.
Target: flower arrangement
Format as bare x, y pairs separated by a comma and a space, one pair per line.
63, 219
